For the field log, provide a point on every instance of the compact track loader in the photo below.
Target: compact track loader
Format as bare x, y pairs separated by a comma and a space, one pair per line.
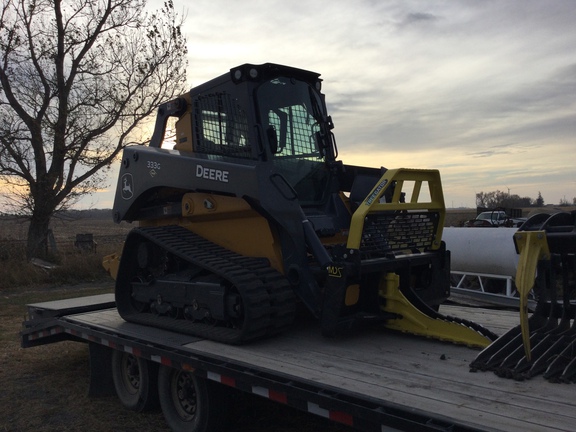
251, 213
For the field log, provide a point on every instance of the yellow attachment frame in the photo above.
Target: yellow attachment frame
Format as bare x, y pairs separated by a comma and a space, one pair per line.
412, 320
533, 247
411, 182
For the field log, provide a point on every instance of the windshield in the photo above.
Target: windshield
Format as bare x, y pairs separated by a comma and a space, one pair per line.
291, 113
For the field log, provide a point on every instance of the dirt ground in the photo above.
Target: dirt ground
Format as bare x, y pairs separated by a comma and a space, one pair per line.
44, 389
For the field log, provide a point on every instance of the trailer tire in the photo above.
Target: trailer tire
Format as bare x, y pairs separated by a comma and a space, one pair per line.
136, 381
191, 403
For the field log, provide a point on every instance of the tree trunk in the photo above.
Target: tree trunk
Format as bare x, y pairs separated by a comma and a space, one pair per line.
37, 246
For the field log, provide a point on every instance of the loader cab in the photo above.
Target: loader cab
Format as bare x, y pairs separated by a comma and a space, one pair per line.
268, 114
296, 132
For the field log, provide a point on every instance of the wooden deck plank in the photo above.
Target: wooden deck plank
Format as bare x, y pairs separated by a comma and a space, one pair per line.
408, 371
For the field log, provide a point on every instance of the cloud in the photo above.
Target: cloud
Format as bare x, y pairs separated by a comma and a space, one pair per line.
419, 20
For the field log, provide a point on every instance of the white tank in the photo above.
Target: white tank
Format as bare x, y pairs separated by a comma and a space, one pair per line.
482, 250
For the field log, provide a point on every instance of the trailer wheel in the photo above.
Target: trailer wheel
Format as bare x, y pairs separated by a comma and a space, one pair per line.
136, 381
190, 403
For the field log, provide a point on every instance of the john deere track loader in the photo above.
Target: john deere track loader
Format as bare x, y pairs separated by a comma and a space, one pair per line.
251, 212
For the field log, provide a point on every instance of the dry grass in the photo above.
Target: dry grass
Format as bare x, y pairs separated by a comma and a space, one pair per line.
44, 388
456, 218
72, 265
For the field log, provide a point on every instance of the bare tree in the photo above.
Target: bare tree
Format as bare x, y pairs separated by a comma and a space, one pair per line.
497, 198
78, 79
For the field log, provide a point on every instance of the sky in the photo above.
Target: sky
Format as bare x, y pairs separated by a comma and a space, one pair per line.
482, 90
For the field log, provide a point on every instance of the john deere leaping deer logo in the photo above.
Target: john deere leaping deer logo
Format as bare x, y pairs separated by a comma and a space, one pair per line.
127, 190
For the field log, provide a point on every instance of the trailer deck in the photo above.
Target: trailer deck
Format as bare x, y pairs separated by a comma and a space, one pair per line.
373, 380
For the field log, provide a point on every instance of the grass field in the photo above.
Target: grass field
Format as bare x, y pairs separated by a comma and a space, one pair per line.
72, 265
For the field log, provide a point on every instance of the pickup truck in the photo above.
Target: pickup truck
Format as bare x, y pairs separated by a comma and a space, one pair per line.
495, 218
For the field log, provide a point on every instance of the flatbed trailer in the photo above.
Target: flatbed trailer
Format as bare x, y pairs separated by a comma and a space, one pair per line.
373, 380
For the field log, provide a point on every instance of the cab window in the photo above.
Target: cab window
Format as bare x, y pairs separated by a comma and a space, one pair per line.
221, 126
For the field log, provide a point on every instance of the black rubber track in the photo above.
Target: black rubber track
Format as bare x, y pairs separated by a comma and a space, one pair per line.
267, 298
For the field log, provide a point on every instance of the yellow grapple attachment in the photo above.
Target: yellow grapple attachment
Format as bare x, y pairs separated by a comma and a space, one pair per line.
428, 198
431, 324
545, 342
533, 248
413, 191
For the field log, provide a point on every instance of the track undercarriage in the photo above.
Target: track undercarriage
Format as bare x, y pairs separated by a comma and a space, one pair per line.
172, 278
